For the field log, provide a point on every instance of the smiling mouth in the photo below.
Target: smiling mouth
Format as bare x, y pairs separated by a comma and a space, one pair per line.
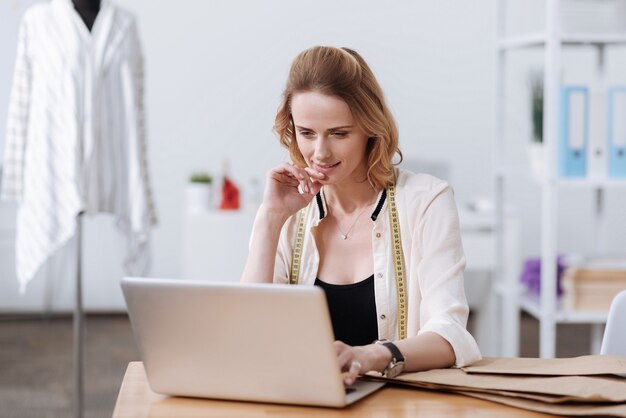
325, 168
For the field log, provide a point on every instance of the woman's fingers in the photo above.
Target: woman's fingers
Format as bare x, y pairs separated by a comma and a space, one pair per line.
307, 177
315, 188
310, 184
307, 183
314, 178
298, 176
353, 372
315, 174
349, 361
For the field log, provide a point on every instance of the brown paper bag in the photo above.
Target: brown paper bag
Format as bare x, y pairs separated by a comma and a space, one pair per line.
457, 389
580, 386
577, 366
553, 399
570, 388
570, 410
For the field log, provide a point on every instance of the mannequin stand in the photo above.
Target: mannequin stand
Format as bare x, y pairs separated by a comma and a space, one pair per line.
78, 324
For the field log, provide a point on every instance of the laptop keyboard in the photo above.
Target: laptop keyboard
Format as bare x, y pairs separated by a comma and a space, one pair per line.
349, 390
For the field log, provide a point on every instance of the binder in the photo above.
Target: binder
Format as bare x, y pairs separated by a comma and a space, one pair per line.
617, 131
597, 153
574, 131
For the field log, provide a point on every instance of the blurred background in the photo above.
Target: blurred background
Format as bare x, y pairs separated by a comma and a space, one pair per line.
214, 73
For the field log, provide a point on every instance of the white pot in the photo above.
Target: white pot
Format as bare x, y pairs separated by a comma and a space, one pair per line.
593, 16
537, 159
198, 197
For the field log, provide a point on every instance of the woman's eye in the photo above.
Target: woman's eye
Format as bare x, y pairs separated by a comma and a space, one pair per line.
306, 134
340, 134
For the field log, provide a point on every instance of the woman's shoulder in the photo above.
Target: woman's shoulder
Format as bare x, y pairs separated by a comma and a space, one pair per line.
419, 183
422, 193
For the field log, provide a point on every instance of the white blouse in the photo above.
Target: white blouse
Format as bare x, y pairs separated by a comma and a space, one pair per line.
434, 262
75, 134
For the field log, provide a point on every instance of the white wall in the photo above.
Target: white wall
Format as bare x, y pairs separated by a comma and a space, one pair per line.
215, 70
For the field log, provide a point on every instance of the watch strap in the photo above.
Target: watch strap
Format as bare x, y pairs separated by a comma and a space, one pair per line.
396, 354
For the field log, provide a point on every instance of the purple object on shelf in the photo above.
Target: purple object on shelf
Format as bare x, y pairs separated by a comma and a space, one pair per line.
531, 275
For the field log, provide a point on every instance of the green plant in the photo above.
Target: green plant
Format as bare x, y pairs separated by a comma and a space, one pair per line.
536, 96
201, 177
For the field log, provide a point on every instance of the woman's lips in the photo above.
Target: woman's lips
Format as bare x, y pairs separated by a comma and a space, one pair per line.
326, 168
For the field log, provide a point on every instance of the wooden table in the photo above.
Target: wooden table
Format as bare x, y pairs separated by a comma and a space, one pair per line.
137, 400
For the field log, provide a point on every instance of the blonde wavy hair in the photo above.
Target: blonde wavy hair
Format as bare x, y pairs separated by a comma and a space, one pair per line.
343, 73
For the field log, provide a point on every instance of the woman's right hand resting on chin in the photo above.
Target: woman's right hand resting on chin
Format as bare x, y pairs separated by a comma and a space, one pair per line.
282, 189
281, 199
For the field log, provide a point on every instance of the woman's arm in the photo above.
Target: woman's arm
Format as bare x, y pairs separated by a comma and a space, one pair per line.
259, 266
443, 308
426, 351
422, 352
281, 199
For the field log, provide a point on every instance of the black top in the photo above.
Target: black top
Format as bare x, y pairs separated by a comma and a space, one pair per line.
352, 310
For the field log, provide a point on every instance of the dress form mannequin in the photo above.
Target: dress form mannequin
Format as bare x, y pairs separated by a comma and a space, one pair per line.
88, 10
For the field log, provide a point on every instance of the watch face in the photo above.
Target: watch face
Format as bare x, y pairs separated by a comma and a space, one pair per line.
394, 369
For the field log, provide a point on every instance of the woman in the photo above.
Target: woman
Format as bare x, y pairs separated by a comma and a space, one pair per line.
383, 243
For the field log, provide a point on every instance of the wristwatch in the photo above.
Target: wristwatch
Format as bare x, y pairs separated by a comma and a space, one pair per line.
396, 365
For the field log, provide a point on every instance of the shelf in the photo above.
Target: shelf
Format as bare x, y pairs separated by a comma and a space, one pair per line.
523, 41
594, 39
608, 183
530, 304
550, 42
537, 39
563, 182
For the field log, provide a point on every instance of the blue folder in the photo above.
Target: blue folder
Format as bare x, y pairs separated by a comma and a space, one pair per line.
574, 131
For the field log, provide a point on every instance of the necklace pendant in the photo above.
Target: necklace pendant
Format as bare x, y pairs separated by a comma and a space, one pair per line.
344, 236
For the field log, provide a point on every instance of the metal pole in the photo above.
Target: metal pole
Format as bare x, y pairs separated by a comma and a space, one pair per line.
600, 220
78, 324
547, 329
503, 301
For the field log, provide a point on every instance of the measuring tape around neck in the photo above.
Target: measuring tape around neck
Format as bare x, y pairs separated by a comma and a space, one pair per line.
398, 256
398, 260
297, 249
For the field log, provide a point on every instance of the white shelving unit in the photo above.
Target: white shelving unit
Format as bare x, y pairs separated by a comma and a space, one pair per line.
546, 308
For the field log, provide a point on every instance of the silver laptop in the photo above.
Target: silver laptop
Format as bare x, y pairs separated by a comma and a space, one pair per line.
248, 342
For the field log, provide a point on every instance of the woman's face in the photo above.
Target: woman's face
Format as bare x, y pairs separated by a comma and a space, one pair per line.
329, 138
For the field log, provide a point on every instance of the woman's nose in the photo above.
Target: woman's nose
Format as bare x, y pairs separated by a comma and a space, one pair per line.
321, 149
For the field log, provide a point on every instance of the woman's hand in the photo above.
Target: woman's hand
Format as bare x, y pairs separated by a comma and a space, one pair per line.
281, 199
289, 188
360, 360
